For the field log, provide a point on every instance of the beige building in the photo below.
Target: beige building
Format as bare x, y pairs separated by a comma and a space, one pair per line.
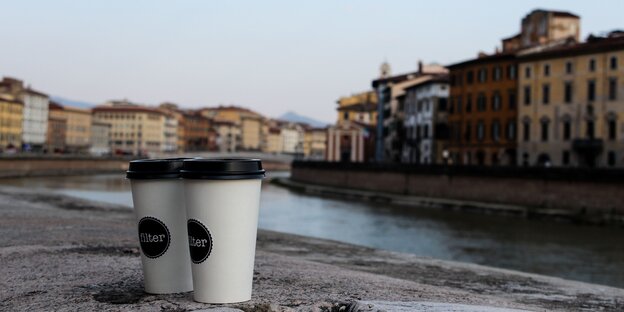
135, 130
542, 27
274, 141
11, 114
345, 143
250, 123
77, 126
571, 104
315, 143
175, 111
361, 107
228, 136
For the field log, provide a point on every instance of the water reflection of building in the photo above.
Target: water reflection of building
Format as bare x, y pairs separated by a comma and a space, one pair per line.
572, 104
350, 142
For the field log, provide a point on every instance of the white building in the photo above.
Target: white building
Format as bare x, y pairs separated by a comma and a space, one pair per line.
35, 123
100, 139
425, 119
170, 134
292, 138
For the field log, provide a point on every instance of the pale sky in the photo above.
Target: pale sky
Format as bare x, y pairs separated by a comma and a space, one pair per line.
270, 56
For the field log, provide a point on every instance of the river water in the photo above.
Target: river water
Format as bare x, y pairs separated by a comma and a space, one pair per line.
585, 253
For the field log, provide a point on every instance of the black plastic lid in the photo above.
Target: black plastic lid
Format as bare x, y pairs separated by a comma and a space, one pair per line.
222, 169
166, 168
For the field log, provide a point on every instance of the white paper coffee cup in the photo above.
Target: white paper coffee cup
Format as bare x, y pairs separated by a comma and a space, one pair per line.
222, 203
158, 197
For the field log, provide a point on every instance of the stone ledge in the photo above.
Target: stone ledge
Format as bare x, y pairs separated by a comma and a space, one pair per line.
59, 253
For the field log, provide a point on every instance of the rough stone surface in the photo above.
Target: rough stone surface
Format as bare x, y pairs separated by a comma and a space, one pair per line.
60, 253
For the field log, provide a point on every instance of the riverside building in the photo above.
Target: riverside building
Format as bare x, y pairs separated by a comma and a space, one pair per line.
35, 113
426, 127
11, 112
135, 130
77, 131
571, 108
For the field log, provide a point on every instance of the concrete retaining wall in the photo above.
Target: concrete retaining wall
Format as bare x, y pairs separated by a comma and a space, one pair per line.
581, 193
46, 166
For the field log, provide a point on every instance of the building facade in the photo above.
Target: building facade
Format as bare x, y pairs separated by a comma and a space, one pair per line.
136, 130
11, 112
390, 115
345, 143
100, 139
196, 131
315, 144
35, 113
251, 133
426, 121
77, 127
571, 109
541, 27
482, 110
228, 136
361, 107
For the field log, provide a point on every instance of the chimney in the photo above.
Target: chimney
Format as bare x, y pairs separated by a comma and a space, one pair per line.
420, 66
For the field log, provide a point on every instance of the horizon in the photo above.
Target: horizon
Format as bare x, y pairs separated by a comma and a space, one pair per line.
272, 58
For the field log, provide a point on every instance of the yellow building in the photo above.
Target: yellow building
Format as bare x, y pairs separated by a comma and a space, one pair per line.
11, 112
136, 130
360, 107
77, 126
315, 143
275, 144
571, 104
249, 122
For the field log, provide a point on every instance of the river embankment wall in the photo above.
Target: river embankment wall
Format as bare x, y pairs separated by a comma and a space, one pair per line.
581, 191
36, 165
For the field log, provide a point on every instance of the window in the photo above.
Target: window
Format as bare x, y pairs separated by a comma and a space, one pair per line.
568, 67
567, 92
591, 90
611, 158
512, 99
526, 131
511, 72
565, 158
567, 130
468, 132
497, 73
458, 106
482, 75
612, 89
451, 105
545, 93
612, 129
468, 103
480, 131
426, 132
592, 65
527, 72
442, 103
544, 130
496, 101
469, 76
547, 70
511, 130
481, 102
589, 131
613, 62
495, 130
452, 80
346, 115
527, 95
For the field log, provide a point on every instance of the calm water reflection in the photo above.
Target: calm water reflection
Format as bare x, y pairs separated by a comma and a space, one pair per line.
589, 254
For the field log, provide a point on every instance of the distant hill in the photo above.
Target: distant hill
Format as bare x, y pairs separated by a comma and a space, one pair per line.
73, 103
294, 117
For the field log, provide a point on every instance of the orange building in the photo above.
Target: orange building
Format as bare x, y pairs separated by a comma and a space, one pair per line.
483, 110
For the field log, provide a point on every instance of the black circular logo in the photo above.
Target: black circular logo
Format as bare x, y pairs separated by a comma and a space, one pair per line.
154, 237
200, 241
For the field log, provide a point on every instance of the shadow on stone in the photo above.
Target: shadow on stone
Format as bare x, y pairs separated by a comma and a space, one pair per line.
120, 293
